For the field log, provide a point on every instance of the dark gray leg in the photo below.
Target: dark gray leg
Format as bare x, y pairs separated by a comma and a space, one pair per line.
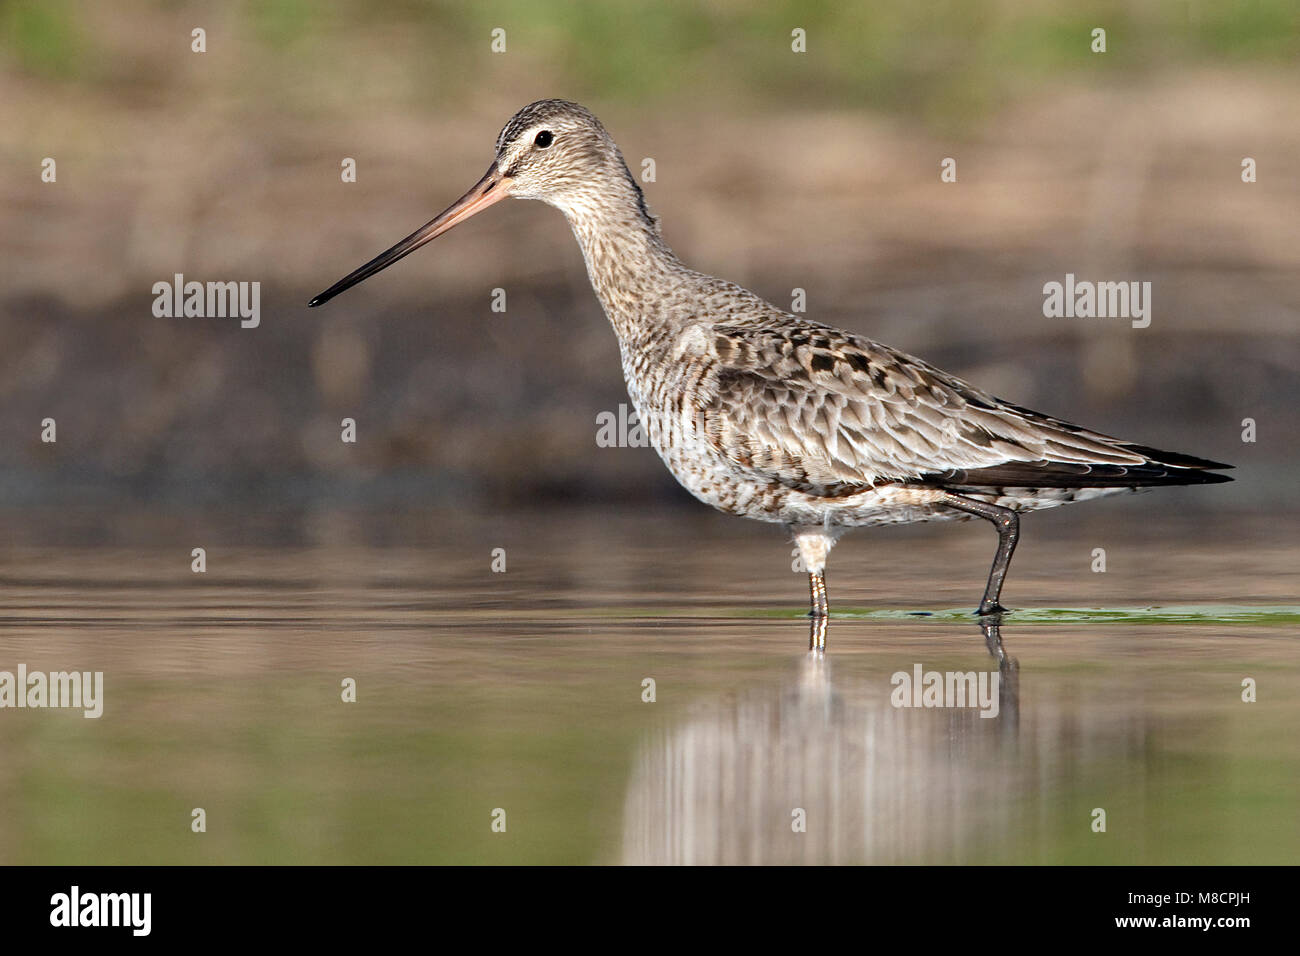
1008, 524
1008, 671
991, 628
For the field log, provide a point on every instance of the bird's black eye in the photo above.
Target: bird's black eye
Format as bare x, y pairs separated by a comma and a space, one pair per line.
544, 139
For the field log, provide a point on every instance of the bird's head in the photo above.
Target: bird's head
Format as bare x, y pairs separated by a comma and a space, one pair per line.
551, 150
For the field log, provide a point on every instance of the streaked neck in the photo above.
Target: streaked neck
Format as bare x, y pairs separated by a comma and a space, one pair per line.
631, 268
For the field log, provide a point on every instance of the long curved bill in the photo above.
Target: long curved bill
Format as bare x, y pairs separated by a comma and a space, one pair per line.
492, 188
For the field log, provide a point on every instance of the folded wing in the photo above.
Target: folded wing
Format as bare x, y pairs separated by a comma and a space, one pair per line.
825, 412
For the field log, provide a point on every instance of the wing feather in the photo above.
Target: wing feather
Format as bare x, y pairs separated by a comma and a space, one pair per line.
820, 410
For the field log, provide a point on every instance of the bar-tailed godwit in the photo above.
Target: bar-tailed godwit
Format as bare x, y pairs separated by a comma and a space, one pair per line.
764, 414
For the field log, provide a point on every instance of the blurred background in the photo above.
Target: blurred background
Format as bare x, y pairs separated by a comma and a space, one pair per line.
520, 687
816, 170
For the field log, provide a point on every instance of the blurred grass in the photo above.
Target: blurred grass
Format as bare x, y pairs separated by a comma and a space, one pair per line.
944, 63
43, 37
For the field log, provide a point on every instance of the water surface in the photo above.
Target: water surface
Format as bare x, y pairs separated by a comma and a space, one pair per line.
522, 691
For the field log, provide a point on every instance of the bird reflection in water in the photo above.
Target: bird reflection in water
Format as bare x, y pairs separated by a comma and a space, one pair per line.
823, 771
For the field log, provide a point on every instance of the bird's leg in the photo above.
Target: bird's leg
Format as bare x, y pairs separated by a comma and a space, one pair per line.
820, 613
991, 627
814, 546
1008, 672
1008, 524
821, 606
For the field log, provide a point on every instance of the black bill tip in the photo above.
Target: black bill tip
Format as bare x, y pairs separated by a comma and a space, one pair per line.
480, 196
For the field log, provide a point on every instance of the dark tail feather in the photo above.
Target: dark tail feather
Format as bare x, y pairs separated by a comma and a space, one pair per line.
1167, 470
1177, 459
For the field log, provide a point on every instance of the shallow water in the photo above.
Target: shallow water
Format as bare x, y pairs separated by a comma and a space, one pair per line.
522, 691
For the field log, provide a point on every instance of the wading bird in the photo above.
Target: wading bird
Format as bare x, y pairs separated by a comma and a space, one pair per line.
764, 414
